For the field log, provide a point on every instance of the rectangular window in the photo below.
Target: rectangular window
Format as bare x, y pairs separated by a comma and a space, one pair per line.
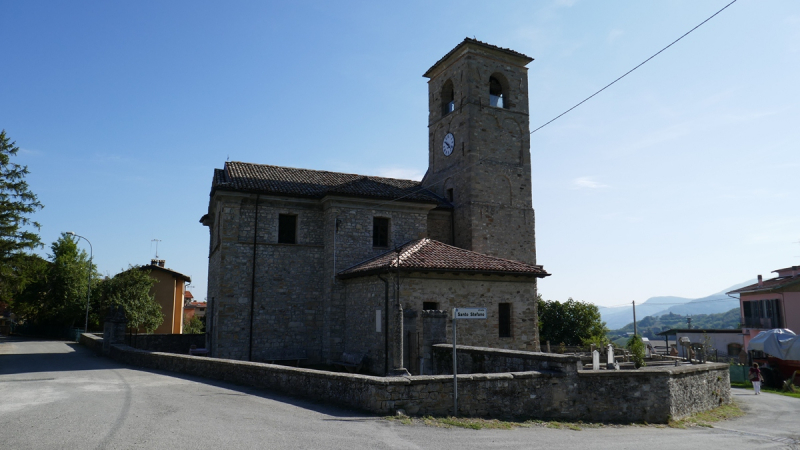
430, 306
380, 232
287, 229
504, 316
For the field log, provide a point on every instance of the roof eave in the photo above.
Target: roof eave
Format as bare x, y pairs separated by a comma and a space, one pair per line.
513, 56
745, 290
385, 269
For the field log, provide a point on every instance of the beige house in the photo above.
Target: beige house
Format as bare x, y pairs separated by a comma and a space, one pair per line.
169, 293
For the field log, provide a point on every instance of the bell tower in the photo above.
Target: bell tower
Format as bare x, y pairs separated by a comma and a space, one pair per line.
479, 148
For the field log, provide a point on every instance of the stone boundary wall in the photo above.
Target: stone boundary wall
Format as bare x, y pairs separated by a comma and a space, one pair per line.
648, 395
169, 343
495, 360
92, 342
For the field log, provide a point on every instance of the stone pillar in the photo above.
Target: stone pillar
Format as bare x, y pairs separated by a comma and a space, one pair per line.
397, 344
114, 328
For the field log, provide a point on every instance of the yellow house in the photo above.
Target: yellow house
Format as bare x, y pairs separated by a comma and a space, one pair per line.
169, 293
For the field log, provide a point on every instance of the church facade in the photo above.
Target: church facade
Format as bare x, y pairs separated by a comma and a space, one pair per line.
307, 264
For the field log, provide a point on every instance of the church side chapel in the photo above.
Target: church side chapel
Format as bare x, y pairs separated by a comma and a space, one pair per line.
317, 267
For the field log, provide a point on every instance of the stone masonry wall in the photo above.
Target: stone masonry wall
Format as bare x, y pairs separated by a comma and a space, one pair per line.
484, 360
652, 395
365, 295
299, 307
465, 291
489, 169
168, 343
349, 243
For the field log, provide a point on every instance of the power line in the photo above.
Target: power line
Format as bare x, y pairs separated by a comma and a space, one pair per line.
640, 65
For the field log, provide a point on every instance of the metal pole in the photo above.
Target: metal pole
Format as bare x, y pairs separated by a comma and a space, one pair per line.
634, 317
455, 369
89, 280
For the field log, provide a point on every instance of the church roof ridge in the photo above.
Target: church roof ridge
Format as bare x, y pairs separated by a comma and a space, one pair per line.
431, 255
280, 180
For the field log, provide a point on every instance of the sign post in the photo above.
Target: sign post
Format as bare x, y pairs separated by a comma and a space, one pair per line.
461, 314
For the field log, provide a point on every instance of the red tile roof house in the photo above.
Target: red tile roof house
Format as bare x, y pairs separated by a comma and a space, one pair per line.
311, 264
773, 303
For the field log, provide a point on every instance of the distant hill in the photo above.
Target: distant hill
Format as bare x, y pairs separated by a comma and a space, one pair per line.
649, 326
618, 317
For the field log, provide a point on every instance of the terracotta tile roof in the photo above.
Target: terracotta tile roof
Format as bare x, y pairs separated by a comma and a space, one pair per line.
468, 41
772, 284
266, 179
434, 256
187, 295
174, 273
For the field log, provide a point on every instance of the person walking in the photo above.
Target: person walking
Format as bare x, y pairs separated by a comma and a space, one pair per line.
756, 378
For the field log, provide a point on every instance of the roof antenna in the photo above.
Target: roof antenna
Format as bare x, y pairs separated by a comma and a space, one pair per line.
229, 158
151, 245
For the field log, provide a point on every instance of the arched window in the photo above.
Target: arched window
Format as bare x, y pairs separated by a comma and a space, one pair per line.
496, 93
448, 98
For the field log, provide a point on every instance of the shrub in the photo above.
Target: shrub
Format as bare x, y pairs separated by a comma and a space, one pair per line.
636, 346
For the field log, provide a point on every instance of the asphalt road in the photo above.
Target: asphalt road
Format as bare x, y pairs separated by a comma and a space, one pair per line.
56, 395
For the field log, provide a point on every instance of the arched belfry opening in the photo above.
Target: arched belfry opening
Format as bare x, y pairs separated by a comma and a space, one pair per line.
498, 91
448, 98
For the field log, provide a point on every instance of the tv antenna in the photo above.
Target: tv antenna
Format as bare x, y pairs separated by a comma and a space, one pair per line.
151, 245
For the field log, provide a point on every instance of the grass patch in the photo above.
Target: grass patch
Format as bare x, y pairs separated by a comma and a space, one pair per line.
748, 385
703, 419
492, 424
706, 418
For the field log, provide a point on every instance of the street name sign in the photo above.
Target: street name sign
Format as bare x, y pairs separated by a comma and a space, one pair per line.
469, 313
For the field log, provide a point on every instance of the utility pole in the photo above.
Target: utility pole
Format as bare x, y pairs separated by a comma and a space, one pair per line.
634, 318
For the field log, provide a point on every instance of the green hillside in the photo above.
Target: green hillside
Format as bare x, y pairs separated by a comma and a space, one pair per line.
649, 326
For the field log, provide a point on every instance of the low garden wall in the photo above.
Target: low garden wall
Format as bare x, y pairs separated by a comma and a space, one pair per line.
645, 395
169, 343
495, 360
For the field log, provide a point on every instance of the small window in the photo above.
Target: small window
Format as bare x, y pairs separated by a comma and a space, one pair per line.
287, 229
380, 232
504, 317
495, 93
448, 98
450, 195
430, 306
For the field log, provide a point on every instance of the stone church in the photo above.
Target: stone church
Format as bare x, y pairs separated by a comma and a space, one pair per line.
308, 265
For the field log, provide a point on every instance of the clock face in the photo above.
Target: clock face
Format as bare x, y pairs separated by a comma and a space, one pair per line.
448, 143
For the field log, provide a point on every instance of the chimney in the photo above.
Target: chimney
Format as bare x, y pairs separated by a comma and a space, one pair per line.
760, 281
161, 263
153, 262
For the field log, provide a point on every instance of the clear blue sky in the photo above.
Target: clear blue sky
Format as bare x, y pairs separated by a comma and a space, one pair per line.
679, 180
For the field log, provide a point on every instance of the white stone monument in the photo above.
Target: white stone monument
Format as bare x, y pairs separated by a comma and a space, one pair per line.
595, 360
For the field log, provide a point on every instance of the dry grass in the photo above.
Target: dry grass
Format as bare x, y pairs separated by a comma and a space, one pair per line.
703, 419
706, 418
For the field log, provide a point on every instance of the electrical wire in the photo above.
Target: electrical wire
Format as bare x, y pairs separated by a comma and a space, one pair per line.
422, 188
640, 65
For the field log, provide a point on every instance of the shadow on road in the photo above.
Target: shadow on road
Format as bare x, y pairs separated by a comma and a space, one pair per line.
37, 356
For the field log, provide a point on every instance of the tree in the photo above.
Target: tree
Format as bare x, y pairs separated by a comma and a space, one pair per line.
67, 282
17, 202
131, 290
571, 322
193, 325
28, 302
